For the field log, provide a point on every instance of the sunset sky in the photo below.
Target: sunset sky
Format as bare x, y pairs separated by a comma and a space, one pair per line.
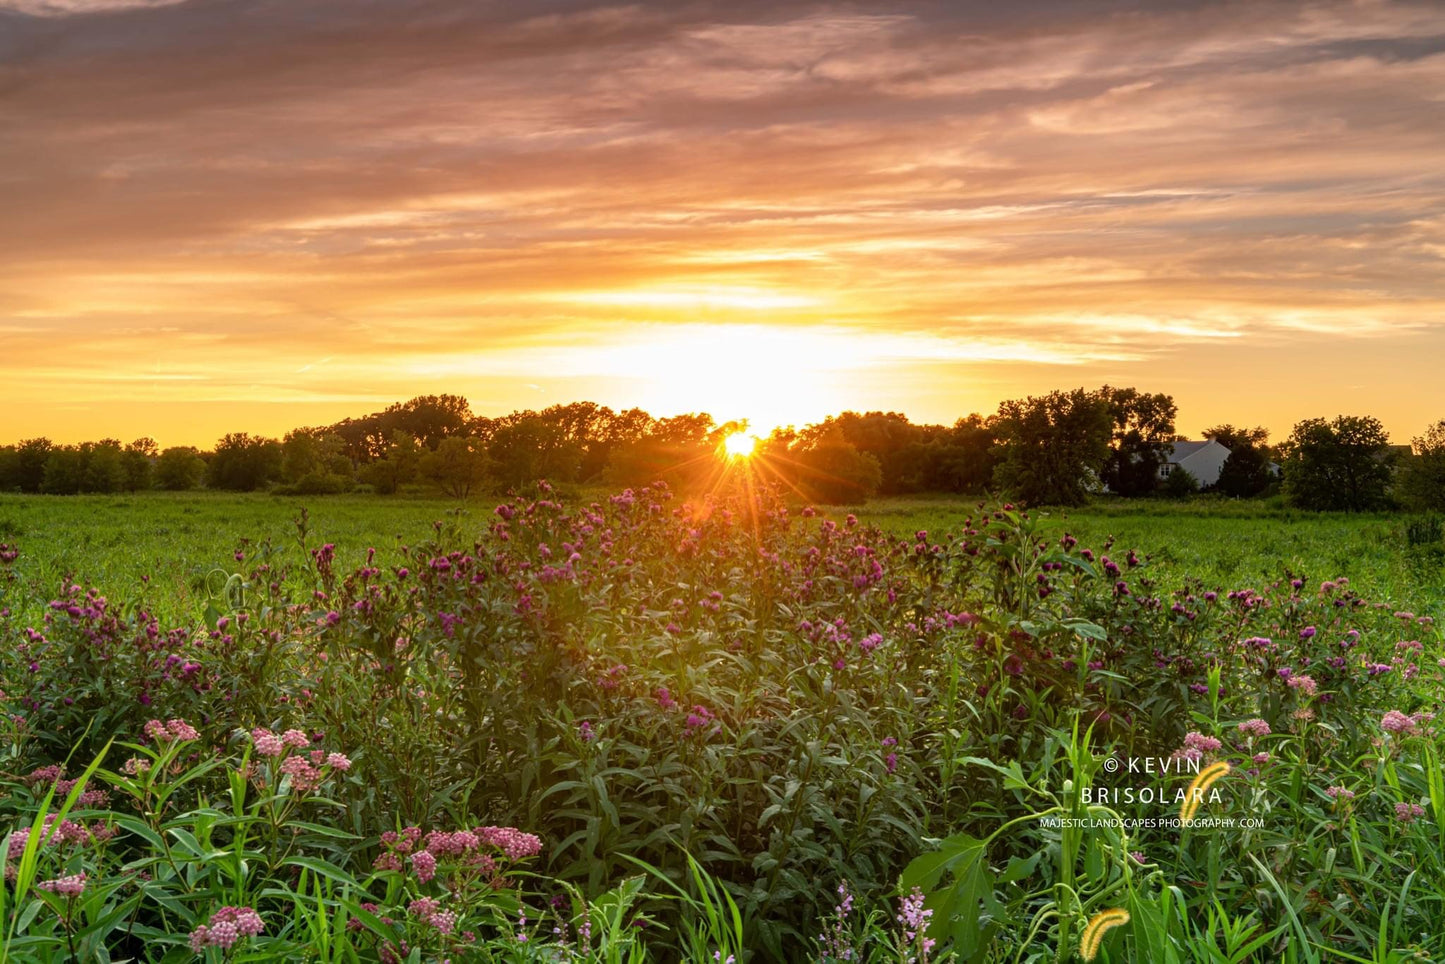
233, 215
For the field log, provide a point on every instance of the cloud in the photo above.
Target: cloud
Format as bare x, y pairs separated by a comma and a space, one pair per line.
69, 8
1090, 187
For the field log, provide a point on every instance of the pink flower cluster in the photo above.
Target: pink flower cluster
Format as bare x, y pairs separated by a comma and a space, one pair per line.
55, 774
227, 926
429, 912
1339, 793
1402, 724
1196, 744
307, 771
1305, 684
1254, 728
72, 886
914, 919
177, 731
55, 833
463, 846
1408, 812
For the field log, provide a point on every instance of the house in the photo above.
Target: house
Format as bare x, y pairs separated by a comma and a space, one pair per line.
1203, 460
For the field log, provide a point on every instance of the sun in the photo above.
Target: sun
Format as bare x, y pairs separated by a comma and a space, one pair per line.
740, 445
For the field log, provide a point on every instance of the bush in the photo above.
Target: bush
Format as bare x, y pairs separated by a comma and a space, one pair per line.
1178, 484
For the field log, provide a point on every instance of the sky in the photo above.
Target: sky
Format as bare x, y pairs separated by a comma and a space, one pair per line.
250, 215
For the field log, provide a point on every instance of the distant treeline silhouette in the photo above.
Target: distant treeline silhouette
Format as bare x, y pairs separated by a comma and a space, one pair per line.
1057, 448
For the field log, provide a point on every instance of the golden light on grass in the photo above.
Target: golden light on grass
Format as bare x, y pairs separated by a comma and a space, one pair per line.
1200, 785
740, 445
1099, 925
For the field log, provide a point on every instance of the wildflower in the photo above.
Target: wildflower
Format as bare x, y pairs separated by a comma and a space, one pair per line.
304, 777
70, 887
1305, 684
1196, 744
425, 865
1261, 758
1407, 812
837, 943
1194, 796
1254, 728
891, 762
338, 761
584, 730
227, 925
1099, 925
1398, 723
511, 841
914, 919
1338, 793
267, 743
296, 738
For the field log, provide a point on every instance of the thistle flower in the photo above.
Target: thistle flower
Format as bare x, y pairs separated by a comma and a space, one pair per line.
1099, 925
1194, 796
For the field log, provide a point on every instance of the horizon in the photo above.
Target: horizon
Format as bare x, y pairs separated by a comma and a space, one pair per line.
719, 422
227, 216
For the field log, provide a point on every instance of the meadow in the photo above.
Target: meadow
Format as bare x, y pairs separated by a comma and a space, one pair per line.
625, 726
177, 539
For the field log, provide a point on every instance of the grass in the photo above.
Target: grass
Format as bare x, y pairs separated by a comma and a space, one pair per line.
177, 538
1225, 544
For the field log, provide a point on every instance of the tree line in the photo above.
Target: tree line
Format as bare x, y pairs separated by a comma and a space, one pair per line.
1059, 448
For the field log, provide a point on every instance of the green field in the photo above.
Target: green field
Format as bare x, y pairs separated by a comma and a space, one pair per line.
176, 539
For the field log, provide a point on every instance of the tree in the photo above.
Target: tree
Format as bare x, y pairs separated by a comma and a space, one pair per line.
244, 462
1235, 438
139, 460
314, 461
533, 448
1245, 473
398, 467
1421, 484
179, 468
1054, 446
1143, 432
831, 470
1338, 465
64, 471
428, 418
105, 468
899, 446
457, 466
29, 466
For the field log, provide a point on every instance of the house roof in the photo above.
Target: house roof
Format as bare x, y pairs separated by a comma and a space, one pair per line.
1182, 450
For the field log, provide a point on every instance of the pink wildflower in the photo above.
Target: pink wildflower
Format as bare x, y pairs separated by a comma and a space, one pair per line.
1398, 723
267, 743
425, 866
1254, 727
72, 886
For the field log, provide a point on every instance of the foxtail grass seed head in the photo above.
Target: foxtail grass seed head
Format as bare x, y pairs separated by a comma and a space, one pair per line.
1099, 925
1198, 787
